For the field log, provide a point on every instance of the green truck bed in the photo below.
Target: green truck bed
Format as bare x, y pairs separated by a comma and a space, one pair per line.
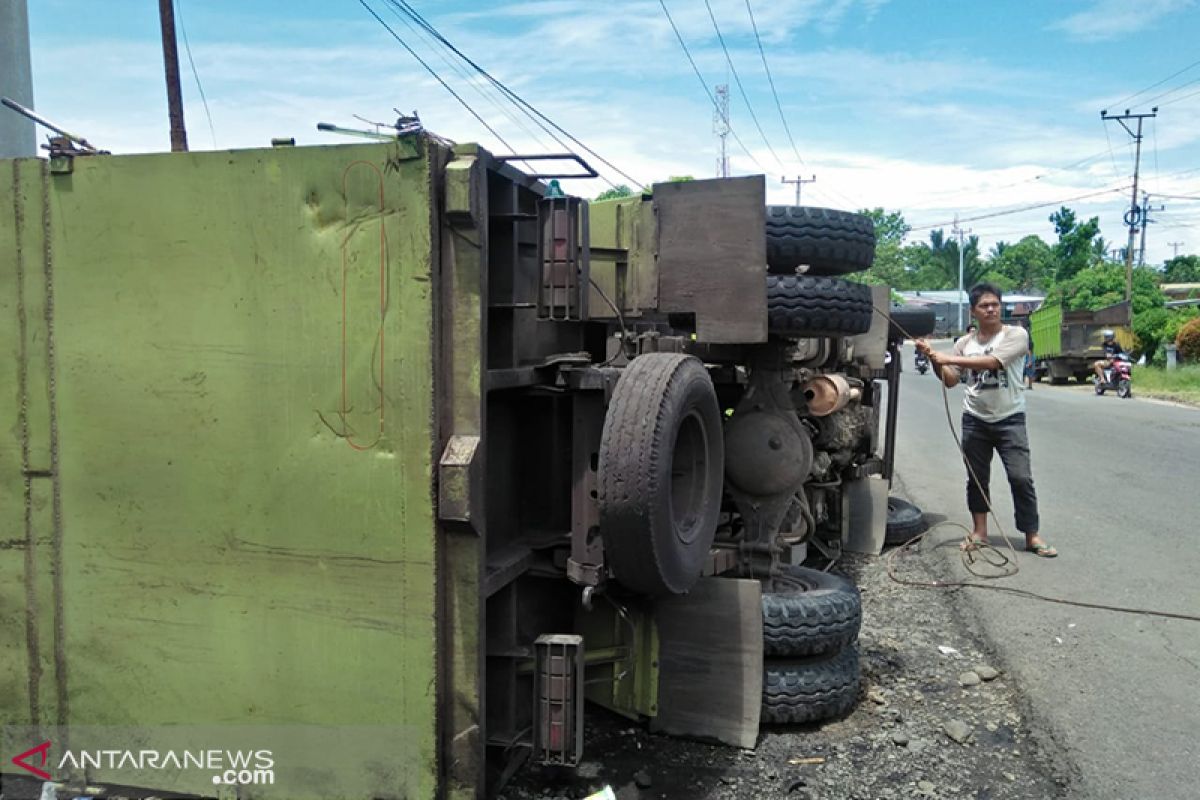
217, 501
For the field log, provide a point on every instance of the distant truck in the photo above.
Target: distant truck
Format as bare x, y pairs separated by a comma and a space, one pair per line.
1066, 343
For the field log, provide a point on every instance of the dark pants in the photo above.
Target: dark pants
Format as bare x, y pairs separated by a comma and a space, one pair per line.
1011, 439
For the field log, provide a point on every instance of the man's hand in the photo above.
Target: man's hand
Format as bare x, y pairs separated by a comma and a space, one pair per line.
923, 346
938, 358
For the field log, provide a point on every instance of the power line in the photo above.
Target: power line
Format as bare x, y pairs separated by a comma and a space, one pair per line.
1019, 210
1120, 103
983, 187
704, 84
738, 80
437, 77
771, 80
528, 108
1172, 91
462, 73
195, 74
1180, 99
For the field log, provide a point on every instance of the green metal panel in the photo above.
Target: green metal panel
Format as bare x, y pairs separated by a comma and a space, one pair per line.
623, 245
1045, 327
224, 434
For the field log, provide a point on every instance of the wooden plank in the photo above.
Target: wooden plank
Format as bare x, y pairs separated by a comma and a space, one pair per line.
712, 256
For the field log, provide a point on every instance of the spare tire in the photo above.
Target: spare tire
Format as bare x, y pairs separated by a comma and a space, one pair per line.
904, 521
826, 241
910, 322
806, 612
660, 473
805, 305
812, 689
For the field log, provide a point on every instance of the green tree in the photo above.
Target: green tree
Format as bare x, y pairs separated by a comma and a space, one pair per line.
1182, 269
615, 193
1104, 284
937, 267
1028, 264
1075, 250
890, 267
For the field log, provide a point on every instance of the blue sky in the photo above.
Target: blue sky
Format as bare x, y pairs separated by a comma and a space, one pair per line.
930, 108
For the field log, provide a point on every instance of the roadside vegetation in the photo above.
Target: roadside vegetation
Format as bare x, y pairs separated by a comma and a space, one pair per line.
1181, 384
1080, 270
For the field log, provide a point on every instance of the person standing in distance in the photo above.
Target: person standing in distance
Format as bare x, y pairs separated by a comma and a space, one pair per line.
990, 363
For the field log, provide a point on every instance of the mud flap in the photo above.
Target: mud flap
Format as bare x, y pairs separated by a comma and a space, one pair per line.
711, 662
868, 500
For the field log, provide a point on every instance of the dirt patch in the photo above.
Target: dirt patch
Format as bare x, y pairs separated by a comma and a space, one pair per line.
917, 731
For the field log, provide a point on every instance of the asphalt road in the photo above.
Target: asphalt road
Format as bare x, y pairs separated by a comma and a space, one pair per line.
1118, 483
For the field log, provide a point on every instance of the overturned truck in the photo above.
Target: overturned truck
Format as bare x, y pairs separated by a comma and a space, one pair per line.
362, 466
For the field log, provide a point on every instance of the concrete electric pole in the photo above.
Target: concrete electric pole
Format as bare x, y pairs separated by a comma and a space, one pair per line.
721, 129
1146, 222
18, 137
1133, 215
959, 232
800, 182
1175, 247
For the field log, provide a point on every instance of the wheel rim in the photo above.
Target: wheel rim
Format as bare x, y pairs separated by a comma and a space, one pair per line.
689, 477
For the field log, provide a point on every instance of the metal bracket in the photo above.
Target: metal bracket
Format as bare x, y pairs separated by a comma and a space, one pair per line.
587, 173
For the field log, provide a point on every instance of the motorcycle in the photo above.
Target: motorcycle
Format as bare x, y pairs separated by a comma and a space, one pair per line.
922, 363
1118, 377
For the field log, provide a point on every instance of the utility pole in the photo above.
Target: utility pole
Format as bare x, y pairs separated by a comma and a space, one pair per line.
1175, 246
1146, 221
166, 17
18, 137
1133, 215
800, 181
960, 233
721, 129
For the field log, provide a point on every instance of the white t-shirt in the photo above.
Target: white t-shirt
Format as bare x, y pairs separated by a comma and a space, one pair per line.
993, 395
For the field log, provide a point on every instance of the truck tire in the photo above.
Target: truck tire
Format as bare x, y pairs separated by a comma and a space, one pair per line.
904, 521
660, 473
910, 322
804, 305
812, 689
827, 241
807, 612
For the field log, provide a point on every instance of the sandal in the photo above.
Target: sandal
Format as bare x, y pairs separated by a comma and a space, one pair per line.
1042, 550
972, 542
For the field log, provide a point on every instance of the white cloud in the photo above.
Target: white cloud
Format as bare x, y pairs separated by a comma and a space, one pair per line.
1112, 19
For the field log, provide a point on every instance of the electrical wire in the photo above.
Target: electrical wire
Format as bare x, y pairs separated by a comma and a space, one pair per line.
462, 73
771, 81
738, 80
1111, 154
1122, 102
704, 85
526, 107
972, 550
437, 77
195, 73
1172, 91
1038, 177
1179, 99
1019, 210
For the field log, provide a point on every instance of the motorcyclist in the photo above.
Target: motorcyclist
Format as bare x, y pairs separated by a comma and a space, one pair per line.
1112, 349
